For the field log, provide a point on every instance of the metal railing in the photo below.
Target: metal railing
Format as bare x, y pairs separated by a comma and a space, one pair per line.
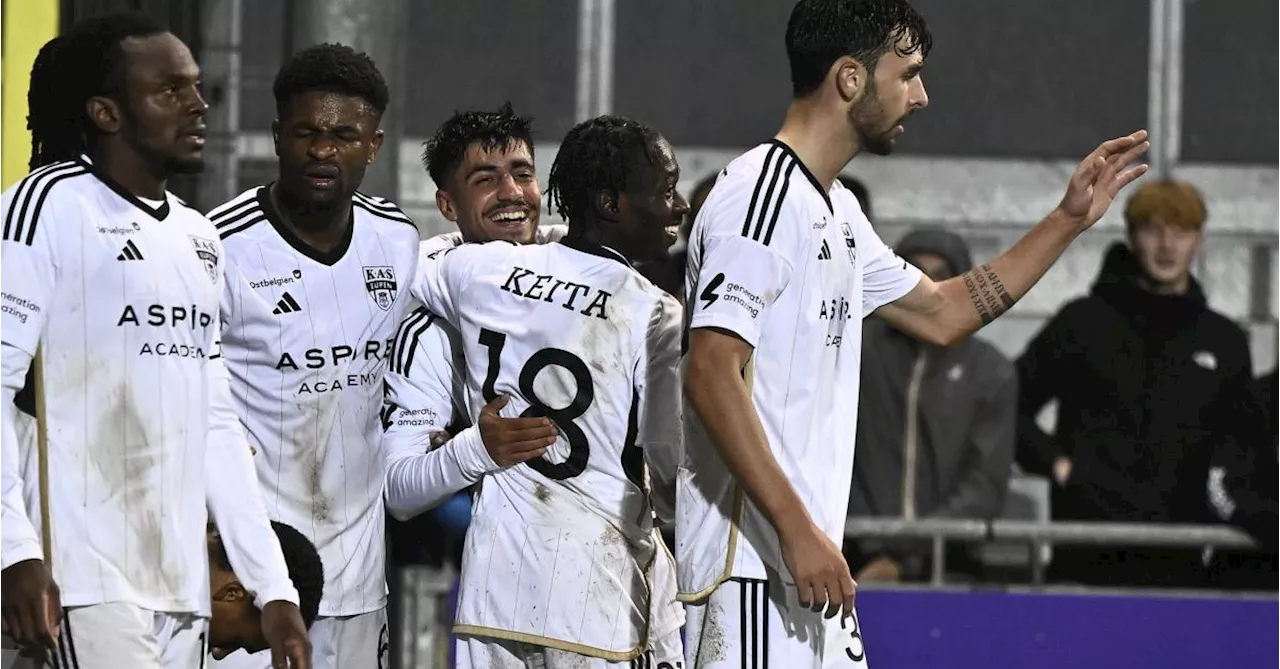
1039, 534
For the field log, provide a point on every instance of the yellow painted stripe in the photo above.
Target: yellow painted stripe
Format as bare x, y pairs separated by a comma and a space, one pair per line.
28, 24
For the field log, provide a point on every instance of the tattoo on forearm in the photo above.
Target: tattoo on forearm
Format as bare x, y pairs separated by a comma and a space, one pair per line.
989, 297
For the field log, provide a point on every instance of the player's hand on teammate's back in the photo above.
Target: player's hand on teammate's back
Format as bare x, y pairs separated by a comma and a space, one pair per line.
30, 607
819, 569
1101, 175
511, 441
286, 633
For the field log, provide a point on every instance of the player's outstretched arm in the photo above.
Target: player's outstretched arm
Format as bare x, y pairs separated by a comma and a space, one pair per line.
715, 387
946, 312
420, 388
29, 599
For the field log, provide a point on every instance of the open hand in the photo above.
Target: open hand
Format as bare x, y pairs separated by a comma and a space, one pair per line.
511, 441
1101, 175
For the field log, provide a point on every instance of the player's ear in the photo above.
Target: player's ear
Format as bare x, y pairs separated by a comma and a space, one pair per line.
231, 592
275, 135
375, 144
850, 77
445, 204
105, 113
606, 205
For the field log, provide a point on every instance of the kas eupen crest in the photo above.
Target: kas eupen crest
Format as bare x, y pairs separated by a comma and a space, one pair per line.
380, 281
207, 252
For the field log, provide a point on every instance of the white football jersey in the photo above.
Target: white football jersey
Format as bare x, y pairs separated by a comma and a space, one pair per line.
786, 266
426, 393
559, 549
306, 336
122, 299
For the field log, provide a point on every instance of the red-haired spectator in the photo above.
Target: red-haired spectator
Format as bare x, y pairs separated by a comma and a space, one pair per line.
1142, 370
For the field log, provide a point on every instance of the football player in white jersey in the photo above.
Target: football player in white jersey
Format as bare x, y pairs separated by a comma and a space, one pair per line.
783, 265
115, 283
557, 565
313, 296
483, 163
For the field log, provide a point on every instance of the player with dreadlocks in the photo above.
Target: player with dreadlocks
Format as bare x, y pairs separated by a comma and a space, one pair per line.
558, 561
115, 282
313, 301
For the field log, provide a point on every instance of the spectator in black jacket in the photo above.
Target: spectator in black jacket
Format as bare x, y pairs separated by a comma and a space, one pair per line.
1143, 372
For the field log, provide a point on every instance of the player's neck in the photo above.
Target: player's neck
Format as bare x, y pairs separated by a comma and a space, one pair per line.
130, 171
820, 136
589, 236
321, 228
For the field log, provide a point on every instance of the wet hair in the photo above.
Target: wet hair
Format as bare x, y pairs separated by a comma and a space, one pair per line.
331, 68
596, 155
306, 571
1177, 203
500, 130
85, 62
823, 31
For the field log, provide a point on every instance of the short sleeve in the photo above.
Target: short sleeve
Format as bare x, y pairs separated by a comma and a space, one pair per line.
886, 277
444, 273
745, 242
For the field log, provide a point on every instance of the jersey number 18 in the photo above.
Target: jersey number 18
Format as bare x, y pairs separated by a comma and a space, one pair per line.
584, 395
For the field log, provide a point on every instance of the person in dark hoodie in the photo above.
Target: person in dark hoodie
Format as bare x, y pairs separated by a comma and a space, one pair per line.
1145, 375
935, 426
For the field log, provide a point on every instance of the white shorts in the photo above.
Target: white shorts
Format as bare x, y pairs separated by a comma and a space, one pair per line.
110, 636
667, 652
340, 642
488, 653
755, 624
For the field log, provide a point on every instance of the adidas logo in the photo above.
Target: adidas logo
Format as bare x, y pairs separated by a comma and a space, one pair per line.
825, 253
287, 305
129, 252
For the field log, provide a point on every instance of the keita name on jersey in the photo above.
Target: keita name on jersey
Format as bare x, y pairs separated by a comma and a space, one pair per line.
546, 287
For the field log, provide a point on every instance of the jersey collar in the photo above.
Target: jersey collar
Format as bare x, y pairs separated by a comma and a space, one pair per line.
597, 250
826, 197
159, 213
331, 258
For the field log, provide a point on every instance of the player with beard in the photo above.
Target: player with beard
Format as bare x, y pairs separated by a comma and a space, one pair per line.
313, 298
113, 283
783, 265
483, 165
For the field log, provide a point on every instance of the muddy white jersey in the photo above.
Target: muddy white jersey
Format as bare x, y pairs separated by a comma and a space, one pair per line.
426, 393
792, 269
559, 548
306, 337
121, 297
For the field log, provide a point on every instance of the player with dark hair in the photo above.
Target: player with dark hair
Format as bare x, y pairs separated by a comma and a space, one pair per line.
313, 299
236, 621
427, 379
115, 282
783, 265
482, 164
571, 332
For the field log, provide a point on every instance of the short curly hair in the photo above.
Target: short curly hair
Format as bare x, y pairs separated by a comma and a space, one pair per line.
596, 155
503, 129
332, 68
302, 560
